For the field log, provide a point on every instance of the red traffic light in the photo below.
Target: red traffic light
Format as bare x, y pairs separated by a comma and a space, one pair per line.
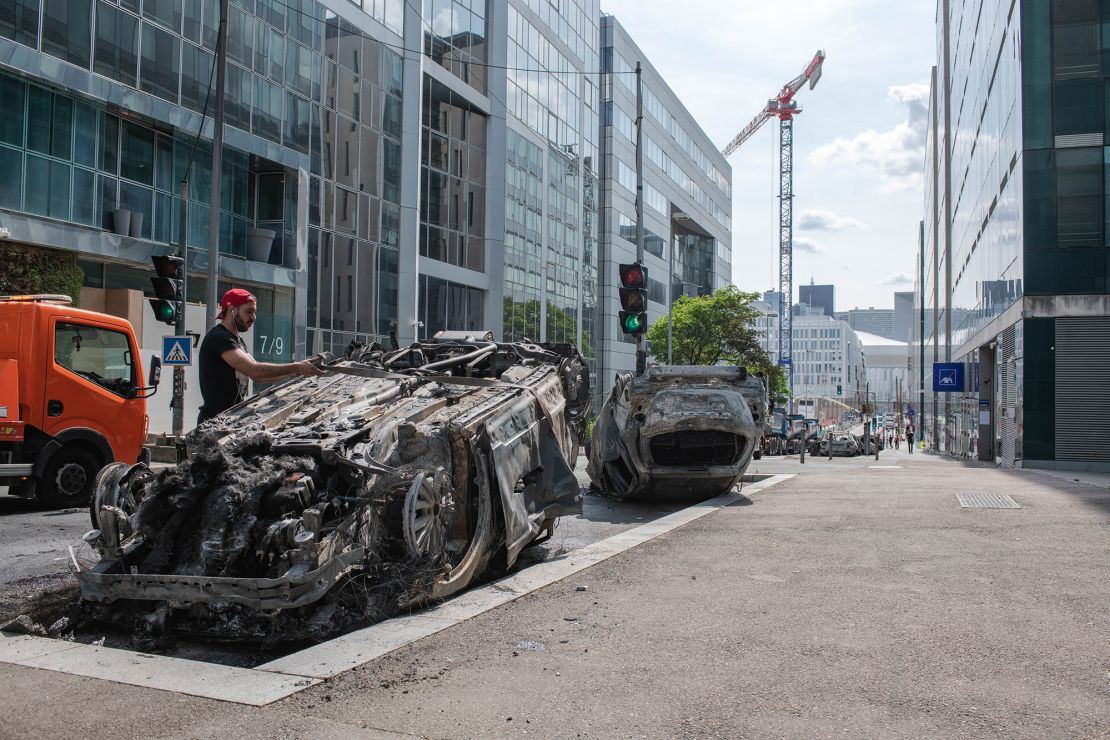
633, 275
168, 266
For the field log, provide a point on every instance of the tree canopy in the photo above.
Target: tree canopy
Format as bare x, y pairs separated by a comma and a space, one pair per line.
716, 328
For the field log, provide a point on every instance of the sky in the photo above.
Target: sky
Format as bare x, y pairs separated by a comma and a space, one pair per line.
859, 143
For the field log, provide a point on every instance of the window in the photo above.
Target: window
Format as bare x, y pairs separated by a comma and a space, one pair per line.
196, 72
1079, 197
65, 30
267, 109
116, 44
20, 21
137, 154
161, 53
100, 356
1077, 107
165, 12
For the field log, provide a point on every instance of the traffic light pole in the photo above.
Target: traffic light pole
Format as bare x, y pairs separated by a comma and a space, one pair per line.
177, 400
212, 292
641, 351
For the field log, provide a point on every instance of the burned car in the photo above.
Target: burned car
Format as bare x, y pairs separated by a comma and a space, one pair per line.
397, 478
678, 430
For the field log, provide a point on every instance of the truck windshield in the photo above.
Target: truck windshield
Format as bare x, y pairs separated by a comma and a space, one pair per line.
101, 356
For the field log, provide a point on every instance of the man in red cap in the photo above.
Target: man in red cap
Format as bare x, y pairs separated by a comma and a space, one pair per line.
225, 366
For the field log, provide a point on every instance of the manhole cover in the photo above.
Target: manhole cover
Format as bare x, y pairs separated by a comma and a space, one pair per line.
986, 501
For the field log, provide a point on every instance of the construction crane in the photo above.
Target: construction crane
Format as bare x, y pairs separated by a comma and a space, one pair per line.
784, 107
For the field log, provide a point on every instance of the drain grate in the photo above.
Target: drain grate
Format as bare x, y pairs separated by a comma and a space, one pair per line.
986, 501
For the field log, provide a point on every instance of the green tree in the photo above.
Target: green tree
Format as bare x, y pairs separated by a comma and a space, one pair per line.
30, 270
710, 329
715, 328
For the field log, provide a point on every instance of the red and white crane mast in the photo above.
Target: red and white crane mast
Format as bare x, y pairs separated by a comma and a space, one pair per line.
784, 107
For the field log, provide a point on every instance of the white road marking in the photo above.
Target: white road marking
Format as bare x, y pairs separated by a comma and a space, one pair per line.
295, 672
225, 683
885, 467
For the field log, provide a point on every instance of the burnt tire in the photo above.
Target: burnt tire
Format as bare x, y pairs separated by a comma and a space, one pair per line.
68, 479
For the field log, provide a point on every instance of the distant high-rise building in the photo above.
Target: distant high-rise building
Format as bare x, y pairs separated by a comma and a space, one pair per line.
773, 298
821, 296
877, 321
903, 315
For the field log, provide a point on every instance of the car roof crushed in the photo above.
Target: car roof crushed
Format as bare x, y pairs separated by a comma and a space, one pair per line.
323, 504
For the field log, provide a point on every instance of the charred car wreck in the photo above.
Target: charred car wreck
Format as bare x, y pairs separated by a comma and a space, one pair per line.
676, 430
323, 503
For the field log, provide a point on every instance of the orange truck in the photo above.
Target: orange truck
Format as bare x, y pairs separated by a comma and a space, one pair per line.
71, 397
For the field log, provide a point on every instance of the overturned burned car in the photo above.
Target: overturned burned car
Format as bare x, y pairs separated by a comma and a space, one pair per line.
324, 503
677, 430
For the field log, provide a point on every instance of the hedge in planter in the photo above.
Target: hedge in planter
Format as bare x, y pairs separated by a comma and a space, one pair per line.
27, 270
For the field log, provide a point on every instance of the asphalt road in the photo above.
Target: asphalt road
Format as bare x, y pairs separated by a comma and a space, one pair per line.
847, 601
34, 558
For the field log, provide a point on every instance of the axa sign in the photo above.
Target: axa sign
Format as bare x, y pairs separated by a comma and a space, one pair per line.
948, 377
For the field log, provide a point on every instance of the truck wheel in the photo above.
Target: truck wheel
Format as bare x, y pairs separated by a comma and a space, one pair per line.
69, 478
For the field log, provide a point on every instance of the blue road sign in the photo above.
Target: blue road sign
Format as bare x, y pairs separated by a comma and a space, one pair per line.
177, 351
909, 411
948, 377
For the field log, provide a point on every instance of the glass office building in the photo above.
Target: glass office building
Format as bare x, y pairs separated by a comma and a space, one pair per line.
1012, 278
389, 167
102, 106
687, 198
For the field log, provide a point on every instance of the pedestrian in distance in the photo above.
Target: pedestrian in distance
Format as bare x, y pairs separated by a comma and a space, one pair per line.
225, 365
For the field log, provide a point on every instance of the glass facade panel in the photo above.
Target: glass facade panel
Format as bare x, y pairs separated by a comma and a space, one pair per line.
117, 44
161, 53
65, 30
452, 201
137, 154
196, 73
13, 93
11, 185
19, 21
53, 144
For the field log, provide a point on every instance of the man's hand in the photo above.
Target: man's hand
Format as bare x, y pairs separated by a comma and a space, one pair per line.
305, 368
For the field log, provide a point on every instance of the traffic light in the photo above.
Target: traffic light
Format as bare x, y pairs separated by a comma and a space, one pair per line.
633, 291
839, 390
168, 287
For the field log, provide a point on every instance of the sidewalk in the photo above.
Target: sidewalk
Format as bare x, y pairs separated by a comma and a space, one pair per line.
847, 601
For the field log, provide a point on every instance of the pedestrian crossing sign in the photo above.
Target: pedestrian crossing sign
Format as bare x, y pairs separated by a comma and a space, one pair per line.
177, 351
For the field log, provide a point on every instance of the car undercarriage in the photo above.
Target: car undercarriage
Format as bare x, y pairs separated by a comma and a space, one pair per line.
397, 478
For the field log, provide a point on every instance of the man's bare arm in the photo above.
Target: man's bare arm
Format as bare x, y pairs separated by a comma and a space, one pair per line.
267, 372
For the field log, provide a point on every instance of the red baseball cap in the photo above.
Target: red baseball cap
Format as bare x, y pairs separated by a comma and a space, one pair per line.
235, 297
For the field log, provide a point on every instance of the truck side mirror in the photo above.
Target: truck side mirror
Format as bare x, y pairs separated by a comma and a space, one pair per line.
155, 371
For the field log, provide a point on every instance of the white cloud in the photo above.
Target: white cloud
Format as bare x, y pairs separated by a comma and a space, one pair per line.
826, 221
896, 155
803, 244
898, 278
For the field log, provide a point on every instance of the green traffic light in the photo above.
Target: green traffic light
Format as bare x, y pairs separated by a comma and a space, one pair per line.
164, 311
632, 323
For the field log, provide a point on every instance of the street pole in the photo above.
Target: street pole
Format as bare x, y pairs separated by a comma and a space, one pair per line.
212, 293
878, 431
641, 351
670, 294
177, 400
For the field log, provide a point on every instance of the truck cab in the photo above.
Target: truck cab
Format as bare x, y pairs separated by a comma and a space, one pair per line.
71, 398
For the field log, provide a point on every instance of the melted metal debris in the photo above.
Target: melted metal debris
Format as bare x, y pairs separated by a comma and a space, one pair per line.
327, 503
678, 430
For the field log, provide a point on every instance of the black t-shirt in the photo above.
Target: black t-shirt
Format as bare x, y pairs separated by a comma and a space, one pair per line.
220, 385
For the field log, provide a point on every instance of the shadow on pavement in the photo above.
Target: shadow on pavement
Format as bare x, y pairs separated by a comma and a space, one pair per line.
1087, 493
